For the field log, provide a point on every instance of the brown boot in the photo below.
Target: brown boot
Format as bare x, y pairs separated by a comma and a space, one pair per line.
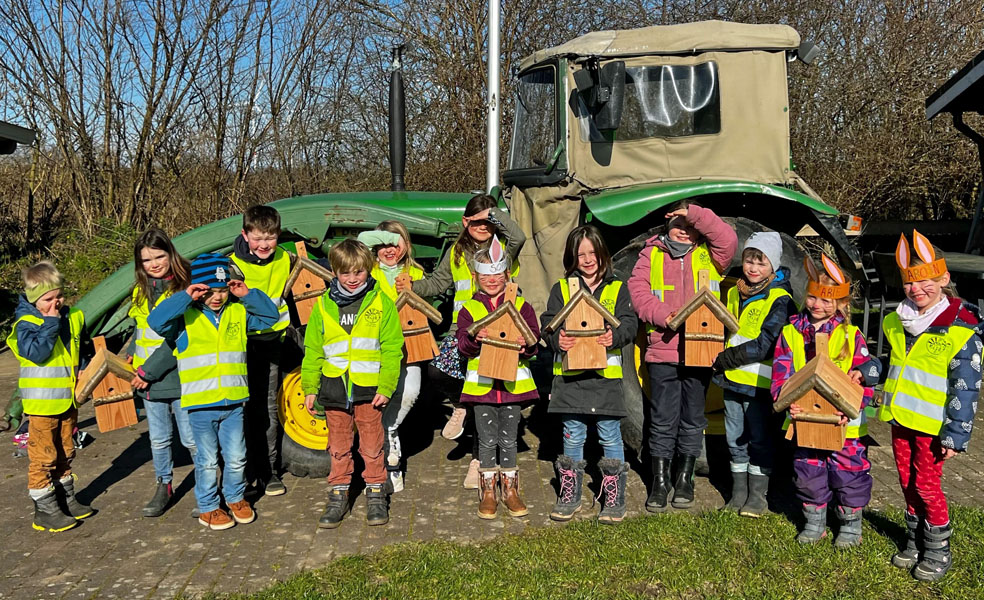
487, 502
510, 494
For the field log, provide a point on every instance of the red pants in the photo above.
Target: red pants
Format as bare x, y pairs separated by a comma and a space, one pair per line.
919, 458
369, 420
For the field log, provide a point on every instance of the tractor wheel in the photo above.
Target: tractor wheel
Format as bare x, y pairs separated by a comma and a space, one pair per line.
303, 451
635, 382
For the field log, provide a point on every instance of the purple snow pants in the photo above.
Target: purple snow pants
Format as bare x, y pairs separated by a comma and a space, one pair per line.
822, 474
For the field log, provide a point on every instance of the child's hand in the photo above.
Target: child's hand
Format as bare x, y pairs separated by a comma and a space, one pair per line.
237, 288
483, 335
843, 417
948, 453
606, 338
794, 410
856, 376
401, 285
196, 291
138, 383
566, 342
479, 216
680, 212
309, 402
129, 360
379, 401
53, 310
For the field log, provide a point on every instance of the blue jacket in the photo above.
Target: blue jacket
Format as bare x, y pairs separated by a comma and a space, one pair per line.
37, 342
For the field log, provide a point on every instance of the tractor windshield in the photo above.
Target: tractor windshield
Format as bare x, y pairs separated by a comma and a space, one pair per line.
535, 128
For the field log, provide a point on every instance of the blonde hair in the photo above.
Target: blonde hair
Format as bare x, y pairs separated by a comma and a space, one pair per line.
400, 229
42, 273
842, 306
350, 255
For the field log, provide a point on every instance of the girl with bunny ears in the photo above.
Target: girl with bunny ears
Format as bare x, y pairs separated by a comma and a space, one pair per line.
822, 476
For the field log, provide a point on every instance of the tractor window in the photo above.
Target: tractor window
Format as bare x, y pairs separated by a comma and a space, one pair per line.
665, 101
535, 125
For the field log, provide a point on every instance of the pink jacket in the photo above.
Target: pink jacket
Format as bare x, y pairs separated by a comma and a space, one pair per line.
663, 344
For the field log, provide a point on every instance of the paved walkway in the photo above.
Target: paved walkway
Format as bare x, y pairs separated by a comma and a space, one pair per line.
119, 554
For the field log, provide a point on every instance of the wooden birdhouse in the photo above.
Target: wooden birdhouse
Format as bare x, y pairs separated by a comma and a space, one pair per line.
499, 357
704, 319
418, 340
583, 318
107, 379
821, 389
306, 282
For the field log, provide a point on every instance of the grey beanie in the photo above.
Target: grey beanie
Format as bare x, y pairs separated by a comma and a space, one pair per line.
768, 243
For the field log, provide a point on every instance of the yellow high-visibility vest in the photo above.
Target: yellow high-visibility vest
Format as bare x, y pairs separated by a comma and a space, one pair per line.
48, 388
271, 279
212, 368
145, 339
477, 385
358, 353
608, 297
464, 279
416, 274
699, 261
758, 374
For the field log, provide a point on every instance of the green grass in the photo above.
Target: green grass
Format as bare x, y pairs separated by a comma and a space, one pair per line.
674, 556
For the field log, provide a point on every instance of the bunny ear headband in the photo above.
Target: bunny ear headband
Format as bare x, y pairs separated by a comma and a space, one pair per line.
814, 288
498, 263
931, 269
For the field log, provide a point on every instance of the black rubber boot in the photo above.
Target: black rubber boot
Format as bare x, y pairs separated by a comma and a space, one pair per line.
815, 528
65, 491
908, 557
338, 505
936, 557
849, 534
739, 491
756, 505
48, 515
683, 483
570, 474
158, 504
377, 505
612, 494
660, 492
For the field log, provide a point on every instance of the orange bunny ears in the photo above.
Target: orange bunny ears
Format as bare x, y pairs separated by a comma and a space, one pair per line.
931, 268
814, 288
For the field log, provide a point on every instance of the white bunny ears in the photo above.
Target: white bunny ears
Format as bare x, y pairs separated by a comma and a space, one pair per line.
842, 289
498, 262
931, 268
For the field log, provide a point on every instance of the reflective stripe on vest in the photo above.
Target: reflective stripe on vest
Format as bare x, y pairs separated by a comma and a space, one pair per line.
271, 279
614, 355
700, 260
916, 384
464, 279
415, 273
145, 339
357, 353
758, 374
477, 385
212, 369
835, 349
48, 388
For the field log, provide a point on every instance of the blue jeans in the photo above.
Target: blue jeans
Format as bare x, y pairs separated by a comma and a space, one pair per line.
160, 431
215, 430
609, 435
747, 421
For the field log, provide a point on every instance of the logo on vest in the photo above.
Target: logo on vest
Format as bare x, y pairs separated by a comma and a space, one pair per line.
754, 314
233, 332
938, 345
703, 259
372, 315
609, 305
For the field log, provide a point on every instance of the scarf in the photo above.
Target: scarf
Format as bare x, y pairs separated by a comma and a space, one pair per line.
675, 249
391, 273
746, 290
915, 323
342, 297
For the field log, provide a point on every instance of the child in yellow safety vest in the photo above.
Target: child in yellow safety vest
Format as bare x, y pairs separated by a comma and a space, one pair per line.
390, 244
823, 475
353, 348
591, 397
496, 403
49, 340
930, 397
160, 273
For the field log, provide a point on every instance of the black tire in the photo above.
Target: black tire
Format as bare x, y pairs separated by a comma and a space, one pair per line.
304, 462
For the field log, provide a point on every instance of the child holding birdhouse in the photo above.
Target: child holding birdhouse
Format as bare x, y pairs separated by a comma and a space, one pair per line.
822, 476
930, 397
589, 397
497, 400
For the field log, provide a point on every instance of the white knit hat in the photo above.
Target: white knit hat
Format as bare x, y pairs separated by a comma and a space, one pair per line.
768, 243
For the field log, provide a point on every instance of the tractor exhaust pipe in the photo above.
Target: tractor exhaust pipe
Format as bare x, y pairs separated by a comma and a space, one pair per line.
397, 122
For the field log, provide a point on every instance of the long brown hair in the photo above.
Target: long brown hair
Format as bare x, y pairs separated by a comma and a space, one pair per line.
574, 239
401, 229
180, 268
466, 245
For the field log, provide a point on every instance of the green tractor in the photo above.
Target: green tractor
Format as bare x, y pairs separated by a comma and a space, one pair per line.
609, 128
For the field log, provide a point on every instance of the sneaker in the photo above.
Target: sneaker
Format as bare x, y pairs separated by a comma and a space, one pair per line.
242, 512
216, 520
396, 480
455, 425
471, 477
274, 486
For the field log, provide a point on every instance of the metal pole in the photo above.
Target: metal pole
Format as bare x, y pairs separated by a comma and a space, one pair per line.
492, 165
397, 122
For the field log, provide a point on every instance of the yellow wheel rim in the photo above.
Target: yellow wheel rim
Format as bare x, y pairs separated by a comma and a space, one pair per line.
302, 427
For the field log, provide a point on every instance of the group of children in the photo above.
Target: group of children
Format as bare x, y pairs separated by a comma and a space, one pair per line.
214, 364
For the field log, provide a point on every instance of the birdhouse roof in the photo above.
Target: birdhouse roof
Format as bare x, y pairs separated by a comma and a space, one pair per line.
822, 376
102, 364
581, 295
418, 303
506, 308
705, 297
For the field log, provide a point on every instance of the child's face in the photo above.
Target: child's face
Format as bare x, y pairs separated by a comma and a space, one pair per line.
493, 285
480, 230
155, 263
392, 255
261, 244
926, 292
215, 298
756, 269
820, 309
351, 280
681, 231
587, 262
51, 302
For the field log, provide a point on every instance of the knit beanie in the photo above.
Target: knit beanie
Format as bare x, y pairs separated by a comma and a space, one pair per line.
211, 269
768, 243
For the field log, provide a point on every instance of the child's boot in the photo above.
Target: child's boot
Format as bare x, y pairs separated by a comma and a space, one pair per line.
338, 505
660, 492
936, 558
849, 534
377, 505
48, 516
739, 488
157, 504
65, 491
909, 556
509, 482
613, 480
815, 528
570, 473
683, 484
756, 505
488, 481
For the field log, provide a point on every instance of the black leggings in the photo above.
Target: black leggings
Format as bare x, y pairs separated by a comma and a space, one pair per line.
498, 427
